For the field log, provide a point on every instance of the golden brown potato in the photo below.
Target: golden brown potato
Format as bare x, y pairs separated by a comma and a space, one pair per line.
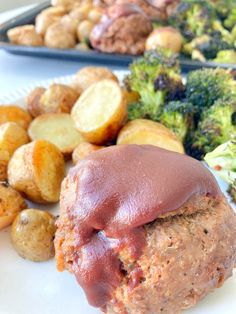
37, 170
32, 235
56, 128
166, 37
25, 35
33, 101
131, 96
83, 150
68, 4
84, 30
100, 112
89, 75
15, 114
12, 136
4, 159
11, 204
95, 15
57, 36
70, 23
81, 13
143, 131
48, 17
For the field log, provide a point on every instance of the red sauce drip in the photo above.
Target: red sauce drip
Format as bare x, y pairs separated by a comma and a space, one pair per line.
111, 194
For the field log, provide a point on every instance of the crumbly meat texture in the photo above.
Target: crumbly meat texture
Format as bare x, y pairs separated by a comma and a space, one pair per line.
125, 35
187, 255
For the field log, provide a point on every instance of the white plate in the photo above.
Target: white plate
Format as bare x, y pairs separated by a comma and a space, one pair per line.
37, 288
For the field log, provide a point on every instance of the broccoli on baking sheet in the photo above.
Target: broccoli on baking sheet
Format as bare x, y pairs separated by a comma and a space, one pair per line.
216, 126
226, 56
156, 77
223, 160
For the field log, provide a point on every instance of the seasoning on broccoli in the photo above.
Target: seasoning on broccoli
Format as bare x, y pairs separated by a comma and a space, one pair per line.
216, 126
230, 21
205, 86
232, 190
226, 56
156, 77
178, 116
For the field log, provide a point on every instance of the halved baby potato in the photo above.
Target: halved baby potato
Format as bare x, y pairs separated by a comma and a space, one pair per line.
56, 128
33, 101
83, 150
12, 136
25, 35
100, 112
148, 132
15, 114
11, 204
37, 170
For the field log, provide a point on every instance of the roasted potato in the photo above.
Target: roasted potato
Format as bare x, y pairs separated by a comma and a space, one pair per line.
67, 4
33, 101
32, 235
166, 37
81, 13
12, 136
83, 150
48, 17
95, 15
37, 170
4, 159
89, 75
84, 29
70, 23
25, 35
57, 128
143, 131
100, 112
131, 96
15, 114
57, 36
10, 205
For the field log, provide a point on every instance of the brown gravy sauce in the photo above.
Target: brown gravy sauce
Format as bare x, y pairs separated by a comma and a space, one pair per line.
114, 192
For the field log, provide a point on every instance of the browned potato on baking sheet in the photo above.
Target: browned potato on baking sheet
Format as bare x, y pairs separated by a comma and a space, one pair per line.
57, 36
83, 150
32, 235
16, 114
11, 204
37, 170
100, 112
70, 23
81, 13
25, 35
143, 131
131, 96
89, 75
12, 136
48, 17
95, 15
33, 101
4, 159
57, 128
84, 29
70, 4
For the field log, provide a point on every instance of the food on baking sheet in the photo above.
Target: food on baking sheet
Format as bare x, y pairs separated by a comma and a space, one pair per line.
48, 17
25, 35
84, 29
12, 113
58, 129
4, 159
156, 219
37, 170
55, 99
86, 76
57, 36
83, 150
143, 131
166, 37
122, 29
100, 112
11, 204
32, 235
12, 136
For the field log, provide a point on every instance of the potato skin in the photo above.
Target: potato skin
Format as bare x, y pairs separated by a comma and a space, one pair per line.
16, 114
33, 101
57, 36
12, 136
32, 235
37, 170
90, 75
141, 131
11, 204
83, 150
4, 159
25, 35
48, 17
84, 29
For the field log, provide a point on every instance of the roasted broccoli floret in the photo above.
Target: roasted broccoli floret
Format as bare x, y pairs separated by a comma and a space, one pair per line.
226, 56
156, 77
138, 110
178, 116
223, 160
230, 21
217, 125
205, 86
193, 18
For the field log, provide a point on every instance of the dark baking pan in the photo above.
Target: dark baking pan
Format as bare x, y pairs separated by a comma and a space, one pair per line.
91, 56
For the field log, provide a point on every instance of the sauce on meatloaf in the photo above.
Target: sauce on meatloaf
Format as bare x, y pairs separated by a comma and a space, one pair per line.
111, 194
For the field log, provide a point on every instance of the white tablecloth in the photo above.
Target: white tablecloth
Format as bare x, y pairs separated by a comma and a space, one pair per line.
19, 71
